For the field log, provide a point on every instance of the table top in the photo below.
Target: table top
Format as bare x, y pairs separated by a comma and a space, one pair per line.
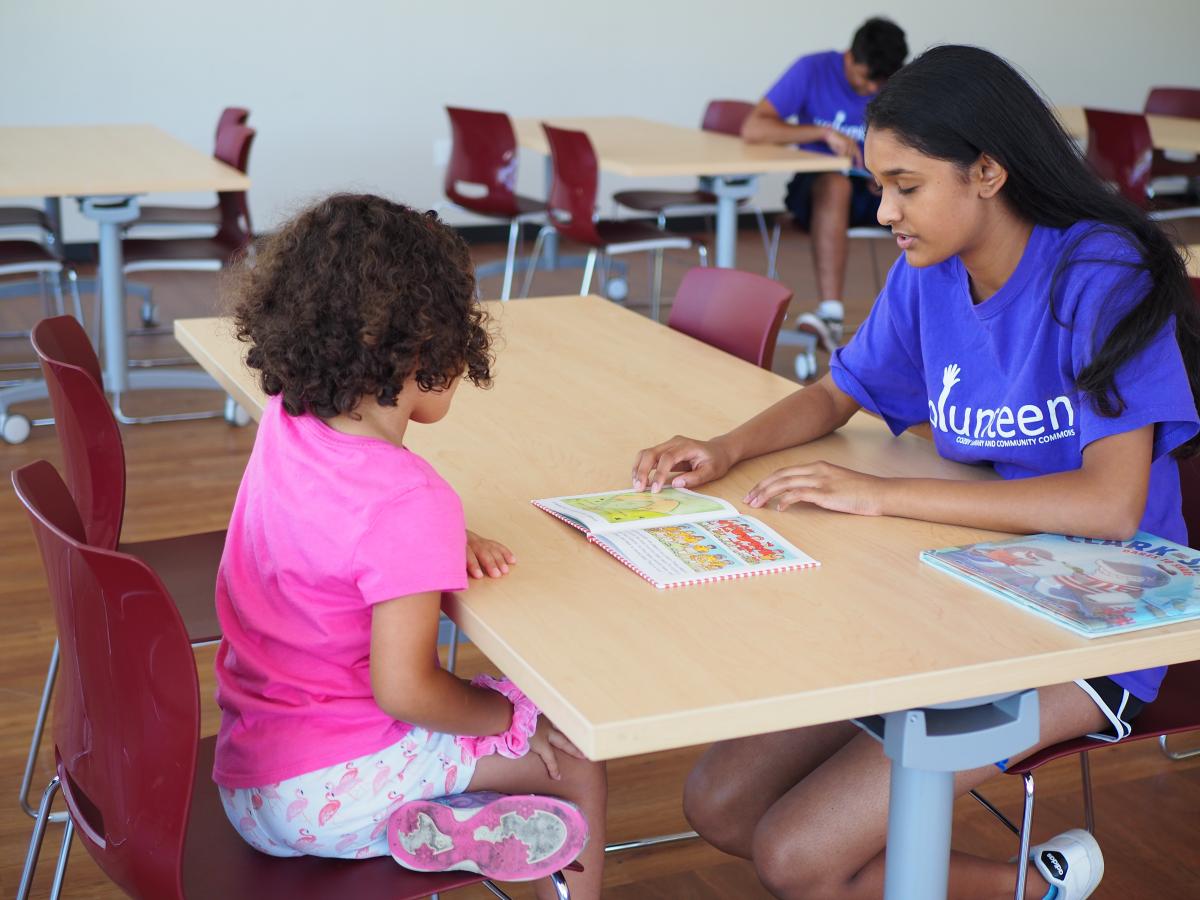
106, 160
641, 148
1167, 132
581, 385
1192, 258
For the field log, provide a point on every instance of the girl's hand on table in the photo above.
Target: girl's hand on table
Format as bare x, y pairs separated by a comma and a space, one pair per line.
696, 462
822, 484
487, 556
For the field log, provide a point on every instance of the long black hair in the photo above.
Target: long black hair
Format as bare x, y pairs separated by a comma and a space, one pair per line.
955, 103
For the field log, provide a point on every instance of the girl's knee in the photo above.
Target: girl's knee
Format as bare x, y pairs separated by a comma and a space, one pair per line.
713, 809
787, 867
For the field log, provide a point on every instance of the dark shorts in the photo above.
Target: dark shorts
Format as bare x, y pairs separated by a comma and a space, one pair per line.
864, 205
1119, 706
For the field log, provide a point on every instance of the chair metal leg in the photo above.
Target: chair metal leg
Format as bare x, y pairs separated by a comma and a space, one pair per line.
535, 258
1003, 819
495, 890
1026, 829
1175, 754
638, 843
656, 285
35, 742
588, 268
510, 259
702, 252
64, 853
773, 251
35, 839
762, 230
1085, 776
560, 885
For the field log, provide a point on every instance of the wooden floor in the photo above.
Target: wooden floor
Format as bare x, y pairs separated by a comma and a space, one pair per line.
183, 476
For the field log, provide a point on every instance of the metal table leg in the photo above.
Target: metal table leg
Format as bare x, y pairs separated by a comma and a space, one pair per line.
729, 190
926, 747
111, 213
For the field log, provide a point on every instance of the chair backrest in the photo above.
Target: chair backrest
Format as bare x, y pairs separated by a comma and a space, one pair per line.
483, 156
127, 701
230, 116
93, 455
726, 116
1119, 148
738, 312
1174, 101
572, 201
233, 149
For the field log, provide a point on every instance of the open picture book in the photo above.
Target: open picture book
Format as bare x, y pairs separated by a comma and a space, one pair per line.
677, 537
1091, 586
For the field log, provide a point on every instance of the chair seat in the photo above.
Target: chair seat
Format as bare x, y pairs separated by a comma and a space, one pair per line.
177, 215
1166, 206
1174, 711
659, 201
632, 231
15, 252
187, 565
525, 206
218, 864
24, 217
173, 249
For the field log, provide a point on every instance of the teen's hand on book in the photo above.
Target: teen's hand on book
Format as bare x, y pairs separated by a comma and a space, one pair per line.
697, 463
546, 740
822, 484
486, 555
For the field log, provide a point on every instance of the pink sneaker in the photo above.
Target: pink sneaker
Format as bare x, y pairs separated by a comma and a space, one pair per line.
519, 837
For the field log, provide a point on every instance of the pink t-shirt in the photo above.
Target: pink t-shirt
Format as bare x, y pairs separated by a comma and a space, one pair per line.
325, 525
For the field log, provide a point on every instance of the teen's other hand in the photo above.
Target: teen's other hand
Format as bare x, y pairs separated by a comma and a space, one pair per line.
822, 484
486, 555
545, 740
844, 146
697, 462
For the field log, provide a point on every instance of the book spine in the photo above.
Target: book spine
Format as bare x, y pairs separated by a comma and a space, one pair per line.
561, 517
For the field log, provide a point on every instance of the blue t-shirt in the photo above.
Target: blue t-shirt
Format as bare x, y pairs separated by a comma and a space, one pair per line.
996, 380
814, 91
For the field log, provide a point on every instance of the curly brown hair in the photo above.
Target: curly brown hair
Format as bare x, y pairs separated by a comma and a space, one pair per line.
353, 296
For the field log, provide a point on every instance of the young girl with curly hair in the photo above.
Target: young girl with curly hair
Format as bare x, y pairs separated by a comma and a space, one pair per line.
339, 729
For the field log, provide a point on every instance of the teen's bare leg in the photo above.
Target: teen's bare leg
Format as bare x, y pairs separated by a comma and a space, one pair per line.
584, 783
829, 220
824, 836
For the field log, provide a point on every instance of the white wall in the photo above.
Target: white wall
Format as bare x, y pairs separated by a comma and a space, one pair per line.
349, 93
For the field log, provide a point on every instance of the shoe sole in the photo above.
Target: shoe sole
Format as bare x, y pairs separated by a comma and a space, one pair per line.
511, 838
820, 329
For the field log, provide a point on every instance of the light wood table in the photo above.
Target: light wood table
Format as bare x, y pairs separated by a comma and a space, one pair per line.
1167, 132
1191, 256
641, 148
106, 167
622, 668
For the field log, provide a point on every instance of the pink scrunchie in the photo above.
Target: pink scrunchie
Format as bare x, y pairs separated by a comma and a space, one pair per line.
513, 743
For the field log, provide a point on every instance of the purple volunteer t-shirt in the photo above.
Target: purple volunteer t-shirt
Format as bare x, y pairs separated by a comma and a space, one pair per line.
996, 380
815, 91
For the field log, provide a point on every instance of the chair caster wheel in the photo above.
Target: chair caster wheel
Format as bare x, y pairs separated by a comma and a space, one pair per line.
617, 289
235, 413
15, 429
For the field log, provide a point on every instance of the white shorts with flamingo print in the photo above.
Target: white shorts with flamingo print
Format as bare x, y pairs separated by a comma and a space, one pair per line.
342, 811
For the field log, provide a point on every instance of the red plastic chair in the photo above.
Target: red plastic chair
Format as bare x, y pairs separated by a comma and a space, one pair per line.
230, 117
721, 117
129, 759
1175, 710
571, 210
1184, 103
737, 312
482, 175
94, 460
1120, 149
